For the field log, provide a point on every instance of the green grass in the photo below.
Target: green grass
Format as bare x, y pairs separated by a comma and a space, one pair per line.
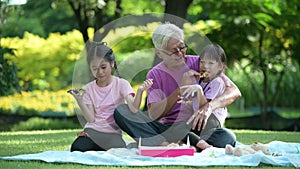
24, 142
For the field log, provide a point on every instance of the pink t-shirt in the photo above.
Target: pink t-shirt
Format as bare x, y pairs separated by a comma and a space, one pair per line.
105, 100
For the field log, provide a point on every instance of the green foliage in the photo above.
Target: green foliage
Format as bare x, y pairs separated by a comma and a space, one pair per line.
38, 102
287, 93
37, 123
38, 17
45, 63
41, 103
15, 27
8, 74
141, 7
135, 65
134, 43
260, 38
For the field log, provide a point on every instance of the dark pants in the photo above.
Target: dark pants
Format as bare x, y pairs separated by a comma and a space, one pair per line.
97, 141
152, 132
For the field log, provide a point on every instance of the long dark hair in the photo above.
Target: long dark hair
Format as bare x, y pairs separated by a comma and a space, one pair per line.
101, 50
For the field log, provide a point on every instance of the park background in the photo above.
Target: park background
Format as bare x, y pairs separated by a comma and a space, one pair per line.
41, 42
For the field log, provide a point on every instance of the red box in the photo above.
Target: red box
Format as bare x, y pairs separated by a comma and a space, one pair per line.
165, 151
162, 151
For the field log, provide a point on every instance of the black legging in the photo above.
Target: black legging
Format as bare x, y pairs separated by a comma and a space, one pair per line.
153, 133
97, 141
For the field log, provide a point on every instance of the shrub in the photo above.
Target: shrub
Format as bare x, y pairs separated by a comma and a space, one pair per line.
38, 102
37, 123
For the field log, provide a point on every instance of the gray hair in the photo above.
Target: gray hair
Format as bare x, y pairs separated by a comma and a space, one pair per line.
164, 32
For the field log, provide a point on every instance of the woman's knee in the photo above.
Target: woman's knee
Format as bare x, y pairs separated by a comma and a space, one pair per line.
122, 114
121, 110
221, 137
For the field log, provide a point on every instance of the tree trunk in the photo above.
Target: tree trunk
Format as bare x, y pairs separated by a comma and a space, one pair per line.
82, 21
175, 12
104, 21
265, 115
177, 8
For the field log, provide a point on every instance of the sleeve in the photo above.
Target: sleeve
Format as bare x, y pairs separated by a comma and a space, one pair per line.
193, 62
126, 88
215, 88
154, 92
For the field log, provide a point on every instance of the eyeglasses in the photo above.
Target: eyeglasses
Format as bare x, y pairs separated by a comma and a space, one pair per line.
179, 50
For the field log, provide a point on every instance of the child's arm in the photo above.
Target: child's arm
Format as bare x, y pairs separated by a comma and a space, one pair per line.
135, 103
189, 91
87, 110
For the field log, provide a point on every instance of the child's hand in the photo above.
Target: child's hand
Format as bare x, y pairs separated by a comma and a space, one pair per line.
77, 94
146, 85
190, 91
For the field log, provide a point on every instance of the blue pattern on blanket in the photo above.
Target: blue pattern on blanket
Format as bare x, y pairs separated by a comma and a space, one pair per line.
289, 156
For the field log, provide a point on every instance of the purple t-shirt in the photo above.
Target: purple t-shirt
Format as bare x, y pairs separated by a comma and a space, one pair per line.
165, 82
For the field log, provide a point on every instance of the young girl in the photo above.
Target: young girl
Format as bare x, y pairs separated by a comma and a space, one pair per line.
212, 85
99, 100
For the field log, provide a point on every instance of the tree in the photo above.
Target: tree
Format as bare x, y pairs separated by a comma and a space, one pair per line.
262, 37
97, 14
177, 8
38, 17
9, 81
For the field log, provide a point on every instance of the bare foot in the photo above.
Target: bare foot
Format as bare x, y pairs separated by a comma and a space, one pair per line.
203, 145
180, 143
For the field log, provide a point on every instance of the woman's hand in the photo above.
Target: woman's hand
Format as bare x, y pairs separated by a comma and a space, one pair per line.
200, 117
189, 77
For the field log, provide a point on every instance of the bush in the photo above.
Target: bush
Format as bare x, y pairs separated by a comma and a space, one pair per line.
38, 102
37, 123
45, 63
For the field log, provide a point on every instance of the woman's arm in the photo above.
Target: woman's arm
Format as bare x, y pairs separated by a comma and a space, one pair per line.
230, 94
159, 109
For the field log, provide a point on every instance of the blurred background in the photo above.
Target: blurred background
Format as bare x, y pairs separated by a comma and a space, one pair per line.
41, 41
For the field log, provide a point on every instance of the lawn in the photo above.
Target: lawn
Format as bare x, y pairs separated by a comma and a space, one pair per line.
24, 142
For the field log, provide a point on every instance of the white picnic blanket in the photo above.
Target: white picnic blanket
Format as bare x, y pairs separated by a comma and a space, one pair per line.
290, 156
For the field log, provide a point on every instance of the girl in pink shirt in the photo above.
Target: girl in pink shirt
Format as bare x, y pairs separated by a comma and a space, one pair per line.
99, 100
